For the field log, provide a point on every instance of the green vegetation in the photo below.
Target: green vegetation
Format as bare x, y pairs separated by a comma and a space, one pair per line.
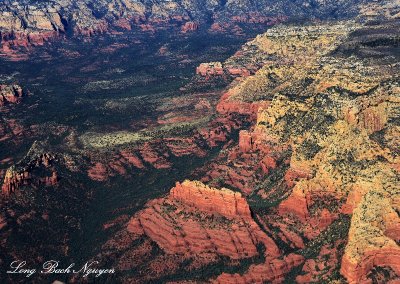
118, 138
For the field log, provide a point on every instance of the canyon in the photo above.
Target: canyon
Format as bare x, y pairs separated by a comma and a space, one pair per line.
313, 140
278, 164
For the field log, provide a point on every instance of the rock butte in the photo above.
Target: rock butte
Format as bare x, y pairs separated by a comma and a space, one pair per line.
197, 220
202, 234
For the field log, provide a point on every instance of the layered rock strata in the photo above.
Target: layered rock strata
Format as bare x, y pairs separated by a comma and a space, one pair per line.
196, 220
25, 23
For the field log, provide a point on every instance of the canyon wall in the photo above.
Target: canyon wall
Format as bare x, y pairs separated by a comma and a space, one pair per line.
317, 168
26, 23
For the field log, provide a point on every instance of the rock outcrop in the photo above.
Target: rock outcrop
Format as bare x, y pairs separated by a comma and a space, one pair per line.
34, 170
337, 164
10, 94
308, 140
196, 219
209, 200
210, 69
190, 27
322, 147
274, 271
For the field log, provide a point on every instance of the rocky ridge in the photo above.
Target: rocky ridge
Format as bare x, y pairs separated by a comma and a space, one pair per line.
25, 23
313, 178
335, 162
319, 167
204, 223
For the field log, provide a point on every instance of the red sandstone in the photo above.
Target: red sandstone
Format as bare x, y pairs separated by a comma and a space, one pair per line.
190, 27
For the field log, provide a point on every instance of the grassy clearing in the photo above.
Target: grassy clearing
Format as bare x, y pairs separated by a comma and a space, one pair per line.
120, 138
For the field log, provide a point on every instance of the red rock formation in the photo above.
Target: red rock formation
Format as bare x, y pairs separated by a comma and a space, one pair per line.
272, 271
225, 202
10, 94
118, 167
296, 204
132, 159
180, 147
219, 130
293, 174
135, 227
15, 178
218, 69
238, 71
268, 163
98, 172
245, 141
210, 69
196, 219
356, 272
352, 201
290, 237
14, 39
190, 27
393, 231
228, 105
150, 155
218, 27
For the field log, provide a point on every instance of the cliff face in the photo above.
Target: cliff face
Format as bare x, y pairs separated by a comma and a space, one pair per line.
318, 168
196, 219
304, 187
204, 223
330, 125
24, 23
224, 202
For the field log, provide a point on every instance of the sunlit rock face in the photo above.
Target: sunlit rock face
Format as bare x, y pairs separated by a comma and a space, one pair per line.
302, 183
202, 222
314, 177
217, 208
